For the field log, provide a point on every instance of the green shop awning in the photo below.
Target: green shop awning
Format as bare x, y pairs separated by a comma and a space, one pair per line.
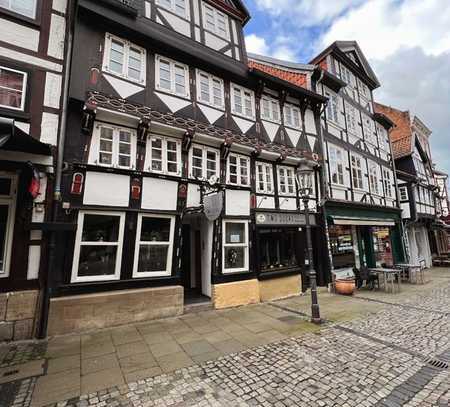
361, 221
348, 215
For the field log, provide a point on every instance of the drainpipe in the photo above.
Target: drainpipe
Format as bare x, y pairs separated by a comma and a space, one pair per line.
58, 176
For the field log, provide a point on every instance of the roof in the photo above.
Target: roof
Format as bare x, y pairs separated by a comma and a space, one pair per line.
278, 63
298, 79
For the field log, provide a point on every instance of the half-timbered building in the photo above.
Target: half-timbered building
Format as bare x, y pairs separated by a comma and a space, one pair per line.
442, 211
180, 167
32, 41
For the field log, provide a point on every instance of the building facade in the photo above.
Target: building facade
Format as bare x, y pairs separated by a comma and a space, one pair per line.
32, 43
442, 211
180, 167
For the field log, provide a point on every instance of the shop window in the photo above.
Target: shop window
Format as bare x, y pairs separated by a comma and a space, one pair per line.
286, 181
264, 178
154, 246
7, 214
341, 243
172, 77
13, 86
164, 155
98, 246
204, 162
382, 246
235, 246
238, 170
25, 8
277, 249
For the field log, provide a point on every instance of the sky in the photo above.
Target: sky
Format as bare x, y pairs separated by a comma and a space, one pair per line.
407, 43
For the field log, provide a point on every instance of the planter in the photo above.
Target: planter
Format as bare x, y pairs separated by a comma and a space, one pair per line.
345, 287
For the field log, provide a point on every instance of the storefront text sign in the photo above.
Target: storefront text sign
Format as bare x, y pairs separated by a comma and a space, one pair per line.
283, 219
212, 205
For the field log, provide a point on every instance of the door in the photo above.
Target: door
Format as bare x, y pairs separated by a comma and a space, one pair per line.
186, 257
7, 212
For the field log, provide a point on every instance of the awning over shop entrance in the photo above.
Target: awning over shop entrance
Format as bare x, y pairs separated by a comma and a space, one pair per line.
358, 216
362, 222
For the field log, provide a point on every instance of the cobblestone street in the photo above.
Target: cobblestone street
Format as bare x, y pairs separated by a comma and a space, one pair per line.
397, 354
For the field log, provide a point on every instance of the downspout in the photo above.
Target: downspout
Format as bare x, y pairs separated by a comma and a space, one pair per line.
58, 176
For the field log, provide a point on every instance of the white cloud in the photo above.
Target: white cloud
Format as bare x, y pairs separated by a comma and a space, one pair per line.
256, 44
280, 48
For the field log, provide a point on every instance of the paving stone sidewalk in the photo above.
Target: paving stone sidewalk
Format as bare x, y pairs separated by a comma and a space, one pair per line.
376, 350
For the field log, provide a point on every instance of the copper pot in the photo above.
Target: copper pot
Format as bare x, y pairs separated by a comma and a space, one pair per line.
345, 287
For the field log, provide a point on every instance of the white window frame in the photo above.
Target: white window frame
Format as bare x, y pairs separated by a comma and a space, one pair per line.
337, 164
273, 109
250, 97
216, 15
212, 80
12, 10
126, 57
382, 135
369, 130
358, 170
245, 245
9, 200
164, 161
173, 7
205, 150
352, 118
170, 244
294, 111
94, 154
266, 171
374, 180
172, 65
287, 178
387, 182
23, 91
78, 243
333, 110
238, 169
403, 193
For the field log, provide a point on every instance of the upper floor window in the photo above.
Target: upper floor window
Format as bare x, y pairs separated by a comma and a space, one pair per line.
373, 178
210, 90
382, 138
177, 6
238, 170
403, 191
286, 181
270, 109
164, 155
215, 21
25, 8
124, 59
113, 146
352, 120
242, 101
418, 165
292, 116
387, 181
369, 129
333, 107
204, 162
13, 86
336, 161
172, 77
357, 172
264, 178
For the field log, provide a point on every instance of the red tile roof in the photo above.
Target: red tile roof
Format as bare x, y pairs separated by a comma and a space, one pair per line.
296, 78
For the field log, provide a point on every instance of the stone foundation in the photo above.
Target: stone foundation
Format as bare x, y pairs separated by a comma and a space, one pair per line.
101, 310
235, 293
281, 287
18, 317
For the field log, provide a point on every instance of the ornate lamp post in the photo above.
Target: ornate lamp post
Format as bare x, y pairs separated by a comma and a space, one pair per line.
305, 177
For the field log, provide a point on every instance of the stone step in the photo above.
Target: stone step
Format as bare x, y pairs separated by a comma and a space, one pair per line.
198, 307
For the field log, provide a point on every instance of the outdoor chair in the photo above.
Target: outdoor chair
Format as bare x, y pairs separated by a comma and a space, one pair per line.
363, 274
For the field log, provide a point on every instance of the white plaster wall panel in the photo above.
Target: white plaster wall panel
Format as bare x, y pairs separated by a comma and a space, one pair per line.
214, 42
106, 189
159, 194
289, 204
60, 5
123, 88
19, 35
228, 53
56, 37
173, 103
265, 202
358, 196
196, 12
236, 49
237, 203
243, 124
49, 128
178, 24
29, 59
338, 193
38, 215
352, 139
197, 34
311, 206
311, 141
52, 93
310, 124
234, 30
334, 131
211, 114
271, 129
148, 9
294, 135
34, 259
292, 100
193, 195
406, 211
25, 127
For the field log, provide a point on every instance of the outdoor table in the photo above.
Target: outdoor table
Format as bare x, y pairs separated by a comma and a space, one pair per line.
389, 275
414, 271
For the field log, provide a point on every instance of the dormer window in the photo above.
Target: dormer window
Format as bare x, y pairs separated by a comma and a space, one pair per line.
172, 77
176, 6
215, 21
292, 117
210, 90
242, 101
270, 109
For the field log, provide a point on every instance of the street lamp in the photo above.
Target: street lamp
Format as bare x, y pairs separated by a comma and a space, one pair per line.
305, 177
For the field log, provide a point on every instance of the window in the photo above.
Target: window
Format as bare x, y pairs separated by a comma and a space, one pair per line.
172, 77
7, 215
124, 59
164, 155
333, 107
210, 90
277, 249
235, 246
368, 129
286, 181
204, 162
383, 138
177, 6
264, 178
215, 21
292, 117
357, 174
98, 246
388, 183
238, 170
373, 178
418, 164
113, 146
352, 121
270, 109
25, 8
13, 85
154, 246
348, 77
242, 101
336, 159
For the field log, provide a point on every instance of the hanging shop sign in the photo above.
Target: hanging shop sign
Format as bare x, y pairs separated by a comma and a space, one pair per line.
212, 205
280, 219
